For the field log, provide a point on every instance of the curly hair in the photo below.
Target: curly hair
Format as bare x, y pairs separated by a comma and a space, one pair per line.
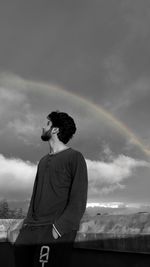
65, 123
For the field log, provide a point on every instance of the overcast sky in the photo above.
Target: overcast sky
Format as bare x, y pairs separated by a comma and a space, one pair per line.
87, 58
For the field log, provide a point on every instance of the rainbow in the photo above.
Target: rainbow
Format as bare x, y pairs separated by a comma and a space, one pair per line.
111, 118
10, 79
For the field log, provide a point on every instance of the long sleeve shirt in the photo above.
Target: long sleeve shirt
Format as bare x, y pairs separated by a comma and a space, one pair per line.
60, 191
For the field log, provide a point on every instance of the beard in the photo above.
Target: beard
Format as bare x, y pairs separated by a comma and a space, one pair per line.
46, 135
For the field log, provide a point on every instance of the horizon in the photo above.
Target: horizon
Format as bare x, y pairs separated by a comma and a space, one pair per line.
112, 204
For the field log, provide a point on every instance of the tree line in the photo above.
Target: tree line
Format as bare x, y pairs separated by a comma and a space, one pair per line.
7, 213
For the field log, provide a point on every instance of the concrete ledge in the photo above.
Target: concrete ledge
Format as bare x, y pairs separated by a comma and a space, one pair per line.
86, 257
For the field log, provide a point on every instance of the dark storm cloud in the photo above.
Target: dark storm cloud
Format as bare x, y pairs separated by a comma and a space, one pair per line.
66, 44
96, 49
92, 48
26, 105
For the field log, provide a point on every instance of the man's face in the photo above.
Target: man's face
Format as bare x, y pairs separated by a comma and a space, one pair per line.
46, 131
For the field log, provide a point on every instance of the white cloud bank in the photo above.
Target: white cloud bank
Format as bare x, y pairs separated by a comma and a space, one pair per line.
105, 177
17, 176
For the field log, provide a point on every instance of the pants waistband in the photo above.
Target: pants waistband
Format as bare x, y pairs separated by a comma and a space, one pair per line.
35, 225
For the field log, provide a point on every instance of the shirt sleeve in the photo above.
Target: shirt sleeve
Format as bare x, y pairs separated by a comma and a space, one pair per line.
70, 218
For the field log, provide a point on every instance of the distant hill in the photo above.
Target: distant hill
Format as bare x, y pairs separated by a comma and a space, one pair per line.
93, 211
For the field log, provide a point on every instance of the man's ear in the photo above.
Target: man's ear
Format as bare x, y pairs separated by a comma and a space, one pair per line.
55, 130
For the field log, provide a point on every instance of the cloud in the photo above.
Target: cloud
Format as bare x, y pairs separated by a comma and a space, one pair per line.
24, 104
133, 108
17, 116
23, 117
16, 178
115, 69
137, 15
26, 128
9, 99
105, 177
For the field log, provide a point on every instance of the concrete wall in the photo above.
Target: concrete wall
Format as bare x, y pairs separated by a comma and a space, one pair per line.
87, 258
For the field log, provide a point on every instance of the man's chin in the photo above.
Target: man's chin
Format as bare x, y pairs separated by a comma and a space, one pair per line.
45, 138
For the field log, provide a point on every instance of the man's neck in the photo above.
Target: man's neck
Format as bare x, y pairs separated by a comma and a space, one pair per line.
54, 148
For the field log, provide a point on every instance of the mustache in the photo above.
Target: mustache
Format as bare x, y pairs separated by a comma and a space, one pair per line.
45, 135
44, 131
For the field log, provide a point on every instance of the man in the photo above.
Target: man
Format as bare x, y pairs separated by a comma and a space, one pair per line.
58, 200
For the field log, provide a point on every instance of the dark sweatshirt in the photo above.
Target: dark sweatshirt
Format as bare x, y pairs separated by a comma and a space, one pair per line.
60, 191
